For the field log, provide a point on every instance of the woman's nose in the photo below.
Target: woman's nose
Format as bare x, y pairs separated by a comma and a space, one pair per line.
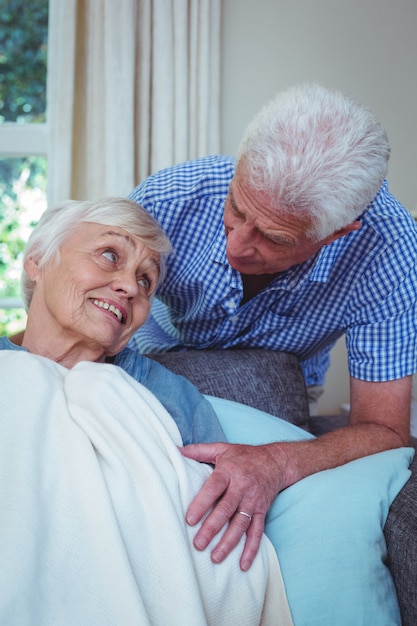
126, 282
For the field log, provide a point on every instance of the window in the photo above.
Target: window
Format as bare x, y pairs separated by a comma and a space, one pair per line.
23, 64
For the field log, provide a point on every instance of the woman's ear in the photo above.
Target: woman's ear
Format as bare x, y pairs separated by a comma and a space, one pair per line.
31, 266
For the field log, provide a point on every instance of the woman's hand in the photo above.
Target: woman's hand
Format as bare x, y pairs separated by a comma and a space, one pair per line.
240, 490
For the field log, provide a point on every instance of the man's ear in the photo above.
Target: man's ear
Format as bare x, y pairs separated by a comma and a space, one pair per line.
342, 232
31, 266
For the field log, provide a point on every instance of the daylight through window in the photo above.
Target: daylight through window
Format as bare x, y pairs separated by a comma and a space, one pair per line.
23, 163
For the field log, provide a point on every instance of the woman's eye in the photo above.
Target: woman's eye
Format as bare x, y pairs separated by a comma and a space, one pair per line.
110, 255
145, 283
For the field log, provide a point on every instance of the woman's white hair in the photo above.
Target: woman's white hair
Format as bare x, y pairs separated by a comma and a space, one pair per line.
59, 222
318, 155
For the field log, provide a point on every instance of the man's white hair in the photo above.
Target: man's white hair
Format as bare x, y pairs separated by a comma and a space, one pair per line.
318, 154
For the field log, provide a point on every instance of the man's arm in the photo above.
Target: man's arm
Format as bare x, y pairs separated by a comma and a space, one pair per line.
247, 478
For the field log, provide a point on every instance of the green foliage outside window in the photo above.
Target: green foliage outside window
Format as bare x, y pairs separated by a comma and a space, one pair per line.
23, 50
23, 200
23, 59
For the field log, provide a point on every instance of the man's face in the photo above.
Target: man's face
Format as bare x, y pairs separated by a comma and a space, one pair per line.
259, 240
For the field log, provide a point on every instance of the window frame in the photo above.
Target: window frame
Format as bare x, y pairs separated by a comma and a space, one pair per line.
23, 139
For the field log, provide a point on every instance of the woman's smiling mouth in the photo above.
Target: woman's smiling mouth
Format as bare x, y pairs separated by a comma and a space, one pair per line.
110, 307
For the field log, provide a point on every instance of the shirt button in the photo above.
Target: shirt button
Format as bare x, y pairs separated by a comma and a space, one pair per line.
234, 319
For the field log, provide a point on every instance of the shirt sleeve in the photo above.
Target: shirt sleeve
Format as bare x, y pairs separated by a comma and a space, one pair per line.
193, 414
138, 194
382, 334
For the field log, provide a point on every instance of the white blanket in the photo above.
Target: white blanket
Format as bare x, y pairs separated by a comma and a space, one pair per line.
93, 492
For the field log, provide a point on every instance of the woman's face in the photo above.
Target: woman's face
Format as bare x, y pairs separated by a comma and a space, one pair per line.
98, 294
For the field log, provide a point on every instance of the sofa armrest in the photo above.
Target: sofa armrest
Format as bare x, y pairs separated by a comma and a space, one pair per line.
400, 529
401, 536
265, 379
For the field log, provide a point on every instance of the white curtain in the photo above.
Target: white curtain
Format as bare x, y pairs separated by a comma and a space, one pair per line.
133, 86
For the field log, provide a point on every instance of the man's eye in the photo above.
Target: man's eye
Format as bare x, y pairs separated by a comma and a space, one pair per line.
238, 214
272, 242
279, 241
110, 255
234, 208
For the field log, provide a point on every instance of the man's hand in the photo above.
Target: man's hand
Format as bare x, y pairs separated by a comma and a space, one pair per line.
246, 479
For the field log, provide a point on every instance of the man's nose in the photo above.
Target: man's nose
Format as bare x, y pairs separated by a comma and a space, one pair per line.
240, 240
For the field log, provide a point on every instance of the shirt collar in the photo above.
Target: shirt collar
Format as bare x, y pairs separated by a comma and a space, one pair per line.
218, 250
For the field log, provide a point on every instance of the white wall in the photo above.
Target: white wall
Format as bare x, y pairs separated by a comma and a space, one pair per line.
368, 48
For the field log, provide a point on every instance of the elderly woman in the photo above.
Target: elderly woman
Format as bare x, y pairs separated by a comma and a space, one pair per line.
93, 487
90, 271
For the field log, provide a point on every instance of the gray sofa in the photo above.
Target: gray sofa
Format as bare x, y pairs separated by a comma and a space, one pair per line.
273, 382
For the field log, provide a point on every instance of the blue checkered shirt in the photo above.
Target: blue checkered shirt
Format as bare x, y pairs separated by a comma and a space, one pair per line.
364, 284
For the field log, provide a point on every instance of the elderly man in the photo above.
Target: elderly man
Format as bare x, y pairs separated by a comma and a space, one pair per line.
293, 245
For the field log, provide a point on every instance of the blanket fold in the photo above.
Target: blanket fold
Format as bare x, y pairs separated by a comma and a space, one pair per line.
93, 493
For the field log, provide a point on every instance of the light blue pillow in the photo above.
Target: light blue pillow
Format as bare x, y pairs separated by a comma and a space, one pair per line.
327, 529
